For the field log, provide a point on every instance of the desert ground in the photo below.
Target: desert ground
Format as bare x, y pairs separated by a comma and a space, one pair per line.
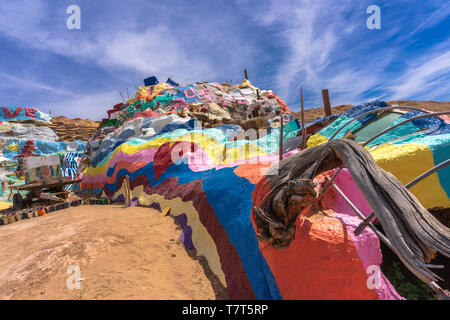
122, 253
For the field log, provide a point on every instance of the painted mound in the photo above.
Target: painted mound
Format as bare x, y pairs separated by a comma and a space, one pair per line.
208, 181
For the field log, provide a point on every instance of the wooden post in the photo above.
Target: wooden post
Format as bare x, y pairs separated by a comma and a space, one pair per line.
247, 148
326, 102
303, 121
224, 154
245, 73
127, 191
281, 136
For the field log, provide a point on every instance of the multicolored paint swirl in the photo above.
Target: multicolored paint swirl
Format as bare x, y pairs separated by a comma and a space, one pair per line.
406, 152
209, 185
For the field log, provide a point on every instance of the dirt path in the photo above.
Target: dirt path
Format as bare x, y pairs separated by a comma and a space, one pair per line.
131, 253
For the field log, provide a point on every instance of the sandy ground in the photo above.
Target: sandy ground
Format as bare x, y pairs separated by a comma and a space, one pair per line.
122, 253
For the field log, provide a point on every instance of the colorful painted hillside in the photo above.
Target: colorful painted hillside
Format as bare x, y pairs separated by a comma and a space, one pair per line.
184, 147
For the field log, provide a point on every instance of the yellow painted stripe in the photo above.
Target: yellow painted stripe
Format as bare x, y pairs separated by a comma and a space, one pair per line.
406, 162
213, 149
5, 205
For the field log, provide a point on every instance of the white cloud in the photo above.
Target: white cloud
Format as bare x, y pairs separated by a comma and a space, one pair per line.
419, 77
320, 44
189, 54
326, 45
27, 83
153, 51
118, 47
92, 106
311, 34
307, 43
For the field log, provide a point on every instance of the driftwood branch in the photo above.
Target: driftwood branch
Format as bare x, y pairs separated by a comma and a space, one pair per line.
415, 234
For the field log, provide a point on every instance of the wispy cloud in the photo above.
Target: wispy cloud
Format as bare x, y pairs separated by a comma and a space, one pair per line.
197, 52
92, 106
307, 43
327, 45
318, 39
24, 83
418, 80
437, 16
315, 44
154, 49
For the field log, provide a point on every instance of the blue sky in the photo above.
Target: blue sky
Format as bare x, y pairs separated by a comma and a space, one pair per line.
283, 45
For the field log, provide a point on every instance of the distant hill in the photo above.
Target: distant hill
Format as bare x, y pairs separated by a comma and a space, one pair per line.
316, 113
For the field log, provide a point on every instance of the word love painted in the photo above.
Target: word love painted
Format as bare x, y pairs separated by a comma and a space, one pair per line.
8, 113
28, 112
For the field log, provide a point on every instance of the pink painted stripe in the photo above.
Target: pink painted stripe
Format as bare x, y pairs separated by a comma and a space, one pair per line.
367, 244
197, 161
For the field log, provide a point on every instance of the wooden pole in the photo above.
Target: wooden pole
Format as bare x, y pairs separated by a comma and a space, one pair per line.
127, 187
326, 102
122, 96
224, 154
303, 121
245, 73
